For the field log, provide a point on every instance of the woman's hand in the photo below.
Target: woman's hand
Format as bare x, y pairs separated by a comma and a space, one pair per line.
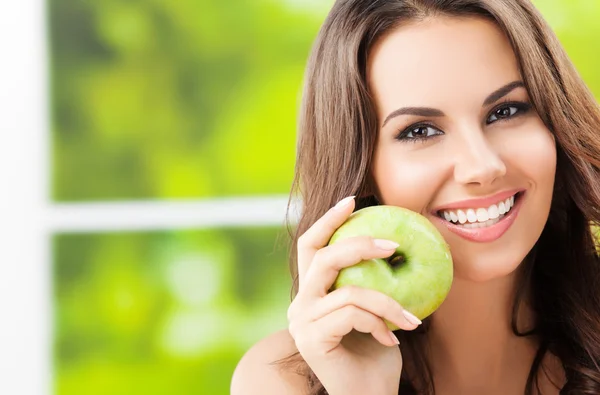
342, 335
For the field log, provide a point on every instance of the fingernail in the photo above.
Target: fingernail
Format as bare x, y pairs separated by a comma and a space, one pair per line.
343, 203
385, 244
394, 338
411, 318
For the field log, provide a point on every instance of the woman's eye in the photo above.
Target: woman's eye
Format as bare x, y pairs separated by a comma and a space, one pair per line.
507, 111
418, 132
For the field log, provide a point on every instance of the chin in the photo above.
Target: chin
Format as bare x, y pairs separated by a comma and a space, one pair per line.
479, 274
483, 267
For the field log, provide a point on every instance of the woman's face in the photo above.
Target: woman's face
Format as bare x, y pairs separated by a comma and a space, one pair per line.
459, 142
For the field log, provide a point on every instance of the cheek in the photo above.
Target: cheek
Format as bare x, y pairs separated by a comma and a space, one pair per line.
408, 179
530, 152
534, 160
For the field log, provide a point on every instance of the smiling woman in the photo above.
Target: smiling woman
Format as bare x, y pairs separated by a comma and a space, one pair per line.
469, 113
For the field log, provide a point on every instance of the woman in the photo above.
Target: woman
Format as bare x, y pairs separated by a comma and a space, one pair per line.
470, 113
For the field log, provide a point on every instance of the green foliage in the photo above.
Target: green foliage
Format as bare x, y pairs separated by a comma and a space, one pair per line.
164, 312
155, 99
576, 24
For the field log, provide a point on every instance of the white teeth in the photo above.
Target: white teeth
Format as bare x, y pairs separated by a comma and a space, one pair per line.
501, 208
482, 215
471, 216
487, 223
462, 217
493, 211
474, 217
453, 216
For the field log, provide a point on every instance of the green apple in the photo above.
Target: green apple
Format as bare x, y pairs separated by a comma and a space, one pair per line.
418, 275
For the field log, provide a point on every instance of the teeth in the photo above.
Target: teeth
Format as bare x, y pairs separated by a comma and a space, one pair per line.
501, 208
462, 217
493, 211
489, 222
474, 218
482, 215
453, 216
471, 216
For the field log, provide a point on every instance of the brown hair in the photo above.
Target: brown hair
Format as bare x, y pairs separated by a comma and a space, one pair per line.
337, 134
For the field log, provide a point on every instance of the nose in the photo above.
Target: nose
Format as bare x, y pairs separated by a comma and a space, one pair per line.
477, 161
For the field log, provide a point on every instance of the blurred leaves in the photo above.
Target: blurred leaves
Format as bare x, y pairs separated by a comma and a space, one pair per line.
163, 310
154, 99
576, 24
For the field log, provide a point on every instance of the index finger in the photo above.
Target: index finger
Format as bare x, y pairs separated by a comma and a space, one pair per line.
318, 235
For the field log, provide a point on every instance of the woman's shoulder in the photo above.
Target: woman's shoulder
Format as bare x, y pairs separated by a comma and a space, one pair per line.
262, 371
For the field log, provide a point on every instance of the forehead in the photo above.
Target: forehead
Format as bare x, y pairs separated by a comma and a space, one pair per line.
439, 61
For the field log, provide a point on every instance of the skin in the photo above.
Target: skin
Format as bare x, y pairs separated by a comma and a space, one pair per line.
452, 65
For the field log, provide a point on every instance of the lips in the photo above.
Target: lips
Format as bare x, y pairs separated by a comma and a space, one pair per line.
471, 223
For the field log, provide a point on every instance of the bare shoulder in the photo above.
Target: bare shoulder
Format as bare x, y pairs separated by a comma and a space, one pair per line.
259, 372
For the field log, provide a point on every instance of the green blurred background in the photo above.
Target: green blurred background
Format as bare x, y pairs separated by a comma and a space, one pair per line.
188, 99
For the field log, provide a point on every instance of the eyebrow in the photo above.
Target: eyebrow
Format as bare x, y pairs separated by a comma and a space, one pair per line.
434, 112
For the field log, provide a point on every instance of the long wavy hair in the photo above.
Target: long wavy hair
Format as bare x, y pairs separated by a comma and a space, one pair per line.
336, 139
